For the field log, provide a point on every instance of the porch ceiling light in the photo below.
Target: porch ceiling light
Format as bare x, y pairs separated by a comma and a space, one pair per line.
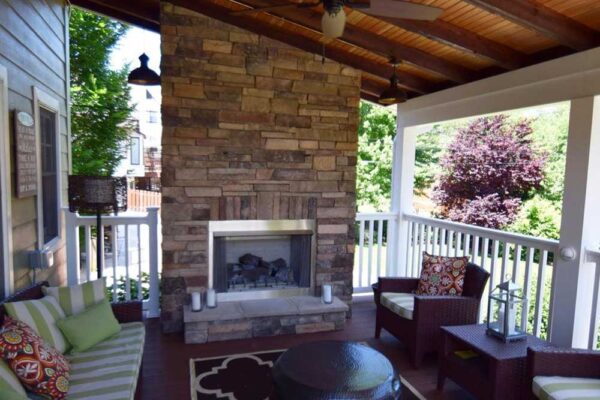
143, 75
334, 19
393, 94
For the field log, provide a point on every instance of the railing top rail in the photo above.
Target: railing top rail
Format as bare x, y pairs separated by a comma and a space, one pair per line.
516, 238
361, 216
124, 218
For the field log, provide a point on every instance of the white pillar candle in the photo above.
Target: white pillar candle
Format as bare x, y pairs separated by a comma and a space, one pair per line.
327, 294
512, 320
211, 298
196, 301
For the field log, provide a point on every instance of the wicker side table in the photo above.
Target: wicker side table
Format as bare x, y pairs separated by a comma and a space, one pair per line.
498, 371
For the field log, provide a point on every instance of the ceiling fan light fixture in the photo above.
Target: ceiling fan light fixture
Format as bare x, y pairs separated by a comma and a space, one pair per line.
143, 75
334, 19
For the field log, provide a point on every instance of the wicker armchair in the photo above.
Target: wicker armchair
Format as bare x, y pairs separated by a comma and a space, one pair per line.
551, 361
130, 311
421, 334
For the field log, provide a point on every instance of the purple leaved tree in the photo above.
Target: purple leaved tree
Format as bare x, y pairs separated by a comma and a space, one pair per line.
488, 168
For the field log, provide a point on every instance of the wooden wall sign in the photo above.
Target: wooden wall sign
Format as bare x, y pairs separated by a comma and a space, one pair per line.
25, 155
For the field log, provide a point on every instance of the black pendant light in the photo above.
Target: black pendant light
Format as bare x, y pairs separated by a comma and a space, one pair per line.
143, 75
393, 94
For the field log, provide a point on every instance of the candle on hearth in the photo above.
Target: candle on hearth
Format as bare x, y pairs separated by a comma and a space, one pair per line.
196, 301
211, 298
327, 294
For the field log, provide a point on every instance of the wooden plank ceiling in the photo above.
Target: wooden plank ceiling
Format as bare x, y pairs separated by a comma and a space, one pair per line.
471, 40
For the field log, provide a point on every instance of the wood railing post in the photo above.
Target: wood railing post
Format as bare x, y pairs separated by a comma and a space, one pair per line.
153, 225
72, 242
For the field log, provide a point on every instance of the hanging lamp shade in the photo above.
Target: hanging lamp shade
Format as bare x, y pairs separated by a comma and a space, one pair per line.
143, 75
392, 94
333, 23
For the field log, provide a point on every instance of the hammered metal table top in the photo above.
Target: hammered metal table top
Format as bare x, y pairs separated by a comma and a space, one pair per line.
475, 336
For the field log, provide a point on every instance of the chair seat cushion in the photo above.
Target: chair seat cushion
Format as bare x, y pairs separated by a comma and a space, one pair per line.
109, 370
565, 388
402, 304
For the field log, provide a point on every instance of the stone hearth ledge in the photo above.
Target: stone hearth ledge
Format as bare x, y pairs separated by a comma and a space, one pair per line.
265, 317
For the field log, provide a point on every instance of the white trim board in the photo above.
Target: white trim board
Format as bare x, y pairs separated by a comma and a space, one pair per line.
5, 186
562, 79
49, 102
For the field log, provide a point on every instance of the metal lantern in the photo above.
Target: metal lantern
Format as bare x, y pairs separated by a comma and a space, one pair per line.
505, 311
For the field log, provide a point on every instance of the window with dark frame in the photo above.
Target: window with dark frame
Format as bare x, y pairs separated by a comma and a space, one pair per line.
135, 151
49, 166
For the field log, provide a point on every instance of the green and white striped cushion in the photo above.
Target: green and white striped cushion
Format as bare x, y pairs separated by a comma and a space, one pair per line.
41, 315
75, 299
9, 381
565, 388
109, 370
402, 304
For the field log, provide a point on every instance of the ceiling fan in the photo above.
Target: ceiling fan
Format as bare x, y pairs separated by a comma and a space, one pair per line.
334, 17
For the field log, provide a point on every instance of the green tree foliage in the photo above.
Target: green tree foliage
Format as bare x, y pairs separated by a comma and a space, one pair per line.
539, 217
100, 108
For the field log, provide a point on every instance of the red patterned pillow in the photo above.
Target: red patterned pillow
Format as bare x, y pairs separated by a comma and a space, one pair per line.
442, 276
39, 367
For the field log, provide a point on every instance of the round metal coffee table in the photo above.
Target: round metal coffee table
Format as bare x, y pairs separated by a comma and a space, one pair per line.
333, 370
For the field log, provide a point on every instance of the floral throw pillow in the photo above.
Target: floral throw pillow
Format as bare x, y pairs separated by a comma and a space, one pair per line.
442, 276
41, 368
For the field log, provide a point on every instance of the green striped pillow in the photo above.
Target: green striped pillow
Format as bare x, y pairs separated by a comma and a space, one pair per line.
75, 299
41, 315
9, 382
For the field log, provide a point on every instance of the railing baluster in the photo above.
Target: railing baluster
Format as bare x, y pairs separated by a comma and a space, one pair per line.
505, 254
593, 337
442, 247
127, 282
539, 295
458, 243
415, 256
516, 263
88, 252
140, 295
475, 251
484, 253
114, 260
409, 240
527, 286
361, 244
380, 225
495, 249
370, 255
421, 234
467, 245
434, 244
100, 248
428, 239
450, 243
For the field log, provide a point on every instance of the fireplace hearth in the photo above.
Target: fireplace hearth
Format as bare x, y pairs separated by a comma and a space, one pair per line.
261, 258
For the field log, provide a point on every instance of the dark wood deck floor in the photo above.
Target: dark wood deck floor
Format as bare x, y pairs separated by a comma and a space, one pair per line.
165, 373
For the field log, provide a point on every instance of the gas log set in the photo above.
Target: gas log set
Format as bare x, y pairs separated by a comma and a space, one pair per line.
254, 271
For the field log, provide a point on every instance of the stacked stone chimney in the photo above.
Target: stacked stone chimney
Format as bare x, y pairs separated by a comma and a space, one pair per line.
252, 129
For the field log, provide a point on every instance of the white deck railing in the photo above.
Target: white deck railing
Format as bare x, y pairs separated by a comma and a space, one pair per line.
526, 259
371, 258
134, 253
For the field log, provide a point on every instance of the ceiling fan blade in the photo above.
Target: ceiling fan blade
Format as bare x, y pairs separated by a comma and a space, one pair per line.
402, 9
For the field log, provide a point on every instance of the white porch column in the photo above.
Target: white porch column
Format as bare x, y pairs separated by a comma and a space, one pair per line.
574, 279
403, 171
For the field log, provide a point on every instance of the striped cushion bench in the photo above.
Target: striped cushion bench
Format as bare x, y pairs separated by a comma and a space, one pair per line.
109, 371
402, 304
563, 388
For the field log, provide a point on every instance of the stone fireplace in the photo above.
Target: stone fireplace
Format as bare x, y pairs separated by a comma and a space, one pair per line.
254, 259
253, 130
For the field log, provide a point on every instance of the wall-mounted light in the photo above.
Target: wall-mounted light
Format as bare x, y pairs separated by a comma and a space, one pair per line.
143, 75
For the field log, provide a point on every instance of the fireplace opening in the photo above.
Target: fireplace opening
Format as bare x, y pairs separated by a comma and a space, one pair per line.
261, 262
253, 259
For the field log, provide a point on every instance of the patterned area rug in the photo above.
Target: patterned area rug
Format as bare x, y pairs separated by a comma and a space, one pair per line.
246, 377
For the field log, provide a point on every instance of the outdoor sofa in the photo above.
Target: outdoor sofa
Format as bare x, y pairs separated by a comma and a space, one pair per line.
112, 367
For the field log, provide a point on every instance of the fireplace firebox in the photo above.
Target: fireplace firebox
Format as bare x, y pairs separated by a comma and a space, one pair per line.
252, 259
